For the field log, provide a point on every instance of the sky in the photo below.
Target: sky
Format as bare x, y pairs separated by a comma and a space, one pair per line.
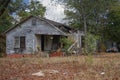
54, 11
26, 1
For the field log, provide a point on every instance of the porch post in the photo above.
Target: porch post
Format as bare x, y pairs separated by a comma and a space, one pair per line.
78, 39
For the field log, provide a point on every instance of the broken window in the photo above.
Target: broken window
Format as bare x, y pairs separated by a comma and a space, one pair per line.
22, 42
19, 42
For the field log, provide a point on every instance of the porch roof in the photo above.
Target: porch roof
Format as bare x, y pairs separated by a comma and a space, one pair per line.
49, 32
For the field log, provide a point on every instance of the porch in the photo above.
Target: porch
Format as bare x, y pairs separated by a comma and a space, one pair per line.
47, 43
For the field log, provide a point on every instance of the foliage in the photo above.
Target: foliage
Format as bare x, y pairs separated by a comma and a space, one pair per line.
7, 18
36, 8
90, 41
20, 9
3, 6
113, 27
24, 10
87, 16
5, 21
66, 43
91, 17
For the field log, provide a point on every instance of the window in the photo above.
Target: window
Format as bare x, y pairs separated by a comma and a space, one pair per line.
20, 42
16, 42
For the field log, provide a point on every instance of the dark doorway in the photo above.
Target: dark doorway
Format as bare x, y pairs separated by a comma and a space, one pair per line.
56, 42
83, 41
42, 42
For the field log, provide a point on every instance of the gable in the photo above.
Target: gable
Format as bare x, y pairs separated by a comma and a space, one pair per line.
20, 28
41, 27
17, 24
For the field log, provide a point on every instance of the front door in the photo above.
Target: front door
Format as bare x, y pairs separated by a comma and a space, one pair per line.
56, 42
46, 42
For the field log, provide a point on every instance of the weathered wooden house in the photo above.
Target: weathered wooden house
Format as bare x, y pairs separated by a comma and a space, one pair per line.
35, 33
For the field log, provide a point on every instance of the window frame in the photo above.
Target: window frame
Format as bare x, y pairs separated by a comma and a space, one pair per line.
17, 43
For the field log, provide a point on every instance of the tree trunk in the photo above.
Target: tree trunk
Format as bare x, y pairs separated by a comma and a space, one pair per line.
85, 26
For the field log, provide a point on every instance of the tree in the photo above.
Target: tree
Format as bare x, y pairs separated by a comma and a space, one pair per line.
5, 21
6, 18
113, 27
87, 14
33, 8
36, 8
19, 8
23, 10
3, 5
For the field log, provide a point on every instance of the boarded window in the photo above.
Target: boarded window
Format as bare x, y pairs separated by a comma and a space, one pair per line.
16, 42
22, 42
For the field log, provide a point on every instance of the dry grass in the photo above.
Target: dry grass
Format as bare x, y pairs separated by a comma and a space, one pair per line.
97, 67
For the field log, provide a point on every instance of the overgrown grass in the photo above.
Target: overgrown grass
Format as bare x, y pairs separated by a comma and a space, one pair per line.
96, 67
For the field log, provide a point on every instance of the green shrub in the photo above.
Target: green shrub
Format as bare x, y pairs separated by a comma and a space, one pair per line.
67, 42
90, 44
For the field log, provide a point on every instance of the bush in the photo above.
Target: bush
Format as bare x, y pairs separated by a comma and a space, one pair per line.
66, 43
90, 44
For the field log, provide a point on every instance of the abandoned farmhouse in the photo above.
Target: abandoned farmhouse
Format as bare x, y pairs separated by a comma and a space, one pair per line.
36, 34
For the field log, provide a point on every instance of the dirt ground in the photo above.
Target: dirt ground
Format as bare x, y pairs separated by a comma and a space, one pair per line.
97, 67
